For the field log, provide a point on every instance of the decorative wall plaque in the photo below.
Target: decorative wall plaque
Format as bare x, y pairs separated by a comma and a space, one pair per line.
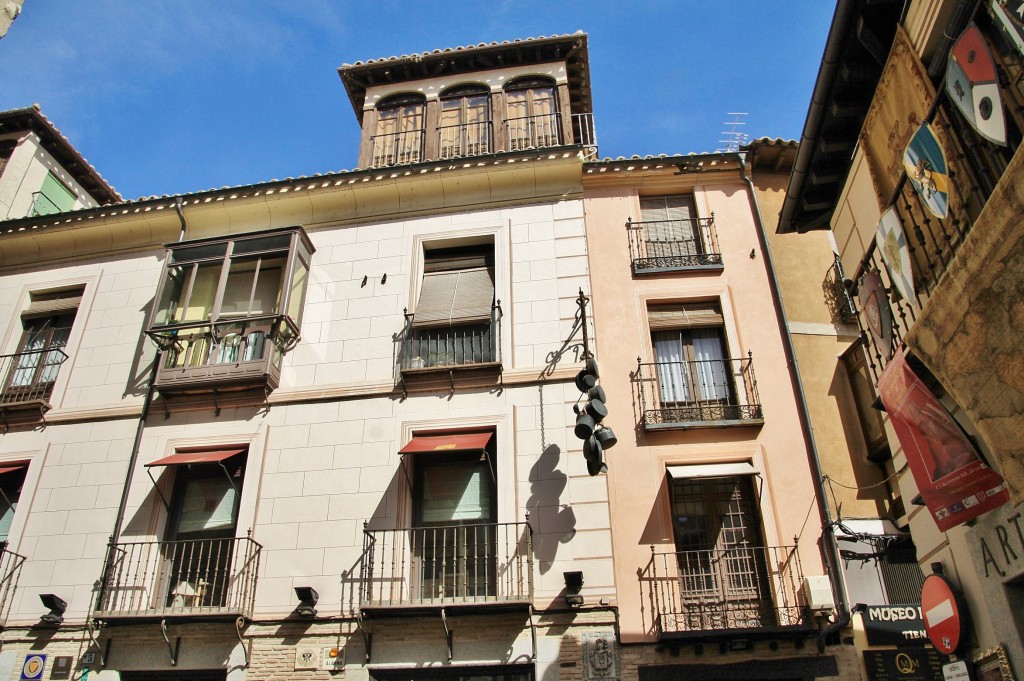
600, 656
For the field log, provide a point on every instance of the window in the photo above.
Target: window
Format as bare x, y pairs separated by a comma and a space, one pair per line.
46, 327
400, 128
12, 477
465, 128
533, 118
455, 320
200, 534
232, 301
53, 197
670, 236
670, 225
690, 353
454, 513
721, 553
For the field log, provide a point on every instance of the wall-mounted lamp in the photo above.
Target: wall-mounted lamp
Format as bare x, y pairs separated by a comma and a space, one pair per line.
308, 597
573, 586
57, 606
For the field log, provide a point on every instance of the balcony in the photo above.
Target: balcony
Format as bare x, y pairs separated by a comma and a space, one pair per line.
585, 133
698, 394
467, 139
657, 246
534, 132
207, 578
429, 352
10, 571
28, 382
837, 295
225, 357
397, 148
742, 590
461, 567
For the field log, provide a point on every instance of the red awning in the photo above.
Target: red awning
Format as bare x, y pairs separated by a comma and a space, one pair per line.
457, 442
11, 466
205, 456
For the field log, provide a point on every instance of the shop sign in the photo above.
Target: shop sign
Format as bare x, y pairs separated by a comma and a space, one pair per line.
894, 625
903, 664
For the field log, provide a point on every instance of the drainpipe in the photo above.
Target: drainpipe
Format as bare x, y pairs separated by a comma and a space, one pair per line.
828, 542
134, 458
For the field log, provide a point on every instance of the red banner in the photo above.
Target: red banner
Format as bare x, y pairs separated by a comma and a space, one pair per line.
954, 482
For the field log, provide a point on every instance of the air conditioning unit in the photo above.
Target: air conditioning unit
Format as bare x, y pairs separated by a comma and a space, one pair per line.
818, 593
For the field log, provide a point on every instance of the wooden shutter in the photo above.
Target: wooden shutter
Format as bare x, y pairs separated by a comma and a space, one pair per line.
684, 316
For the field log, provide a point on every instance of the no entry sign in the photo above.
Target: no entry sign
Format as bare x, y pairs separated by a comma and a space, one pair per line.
942, 617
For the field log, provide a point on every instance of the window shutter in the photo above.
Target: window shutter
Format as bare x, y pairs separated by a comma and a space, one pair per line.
455, 297
50, 304
684, 316
474, 296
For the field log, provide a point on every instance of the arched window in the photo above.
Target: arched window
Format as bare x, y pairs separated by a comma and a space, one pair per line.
465, 128
400, 128
532, 109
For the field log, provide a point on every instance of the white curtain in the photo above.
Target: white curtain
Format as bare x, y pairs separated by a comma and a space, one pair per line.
668, 351
711, 369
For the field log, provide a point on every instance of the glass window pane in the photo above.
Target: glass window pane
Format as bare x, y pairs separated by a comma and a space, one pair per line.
297, 294
204, 290
265, 295
170, 298
278, 242
200, 252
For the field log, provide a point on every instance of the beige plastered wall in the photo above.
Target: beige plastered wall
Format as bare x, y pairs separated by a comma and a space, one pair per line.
637, 482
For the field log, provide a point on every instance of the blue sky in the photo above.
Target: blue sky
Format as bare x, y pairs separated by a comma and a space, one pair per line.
167, 97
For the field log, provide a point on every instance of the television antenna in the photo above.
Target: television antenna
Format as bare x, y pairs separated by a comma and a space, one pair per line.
734, 137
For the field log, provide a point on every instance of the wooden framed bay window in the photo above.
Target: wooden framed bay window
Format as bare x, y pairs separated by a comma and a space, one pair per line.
228, 309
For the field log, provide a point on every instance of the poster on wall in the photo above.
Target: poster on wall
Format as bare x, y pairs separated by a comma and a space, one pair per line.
891, 241
973, 85
955, 484
925, 163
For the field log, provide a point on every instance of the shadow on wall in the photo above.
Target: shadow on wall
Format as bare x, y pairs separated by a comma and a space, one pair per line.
138, 381
553, 522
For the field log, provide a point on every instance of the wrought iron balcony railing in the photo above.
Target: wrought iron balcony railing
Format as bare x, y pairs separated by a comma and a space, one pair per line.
585, 133
199, 578
29, 377
837, 295
532, 132
236, 353
451, 565
671, 245
451, 347
467, 139
397, 148
10, 571
698, 394
704, 593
